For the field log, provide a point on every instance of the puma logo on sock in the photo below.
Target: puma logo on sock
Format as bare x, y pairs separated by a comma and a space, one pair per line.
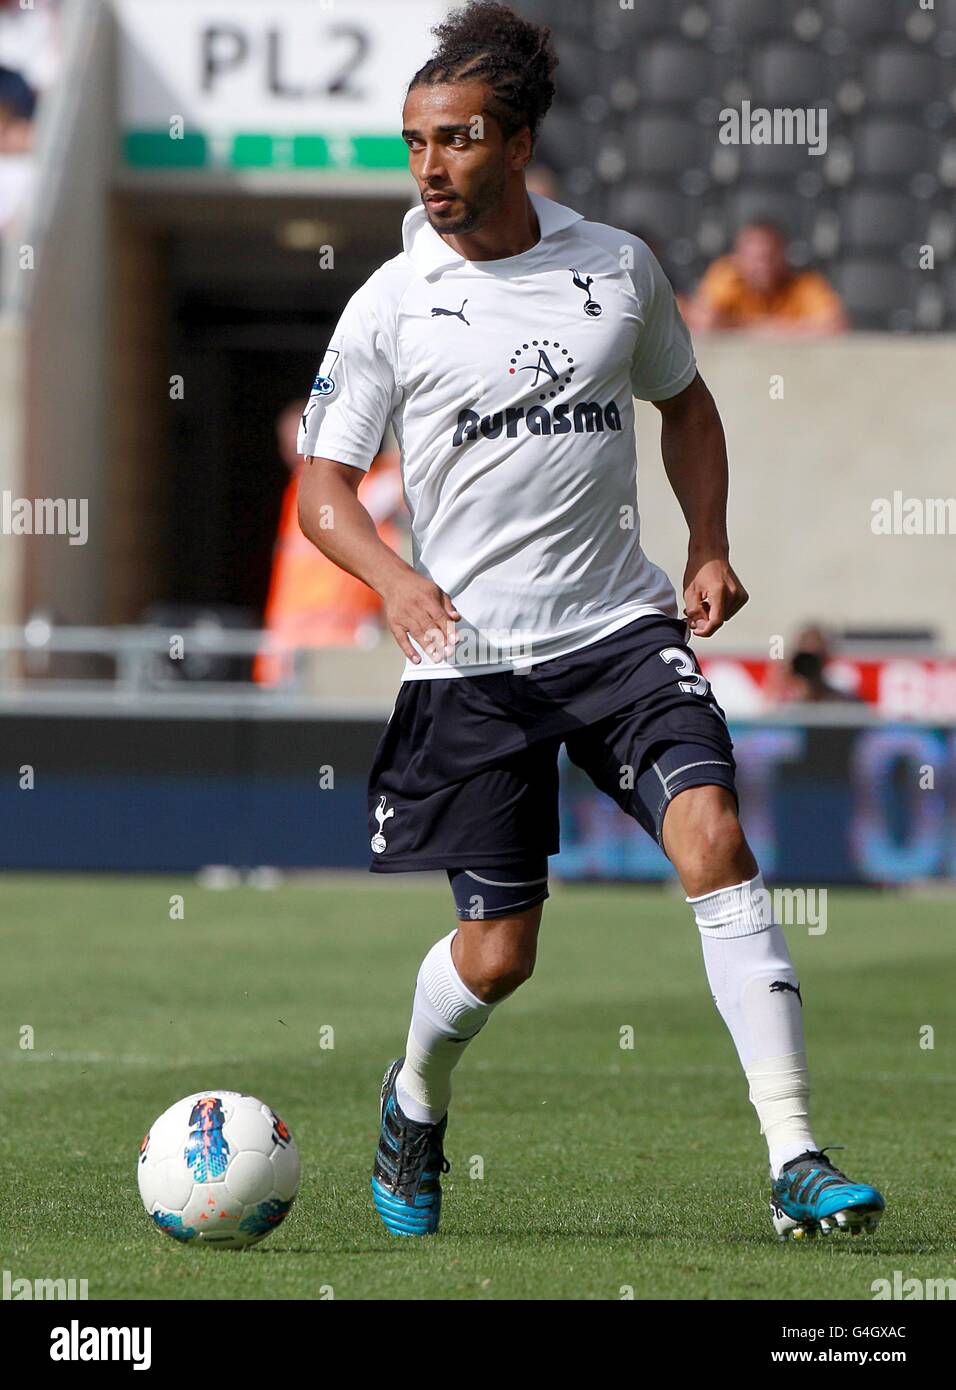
779, 985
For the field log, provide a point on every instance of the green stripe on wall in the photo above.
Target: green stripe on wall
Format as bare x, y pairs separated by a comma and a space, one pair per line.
252, 151
154, 149
380, 152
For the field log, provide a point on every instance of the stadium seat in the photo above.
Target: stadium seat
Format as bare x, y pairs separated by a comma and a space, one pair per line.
945, 11
877, 294
566, 139
872, 219
668, 146
862, 21
949, 296
750, 19
794, 215
643, 18
656, 214
669, 70
890, 148
559, 15
895, 76
778, 161
583, 71
784, 74
667, 221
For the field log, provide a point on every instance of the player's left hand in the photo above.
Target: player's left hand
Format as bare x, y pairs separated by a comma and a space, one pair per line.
712, 594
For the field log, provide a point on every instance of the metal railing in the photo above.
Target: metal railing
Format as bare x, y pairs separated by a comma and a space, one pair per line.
143, 657
173, 672
207, 667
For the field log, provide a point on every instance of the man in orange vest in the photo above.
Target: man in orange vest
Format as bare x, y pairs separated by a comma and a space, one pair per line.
756, 288
311, 602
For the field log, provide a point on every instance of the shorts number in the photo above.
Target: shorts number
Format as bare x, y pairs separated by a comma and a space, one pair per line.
686, 667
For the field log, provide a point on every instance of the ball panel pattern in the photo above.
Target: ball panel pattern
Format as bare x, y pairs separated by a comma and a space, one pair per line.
218, 1168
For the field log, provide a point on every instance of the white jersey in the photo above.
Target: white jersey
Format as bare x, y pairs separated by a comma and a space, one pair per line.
509, 385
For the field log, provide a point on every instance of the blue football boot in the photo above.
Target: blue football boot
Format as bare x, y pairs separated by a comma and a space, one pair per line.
408, 1164
811, 1195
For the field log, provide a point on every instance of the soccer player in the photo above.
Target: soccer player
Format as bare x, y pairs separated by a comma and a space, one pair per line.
505, 344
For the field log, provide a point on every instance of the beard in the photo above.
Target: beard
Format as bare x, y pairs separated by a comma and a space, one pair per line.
470, 213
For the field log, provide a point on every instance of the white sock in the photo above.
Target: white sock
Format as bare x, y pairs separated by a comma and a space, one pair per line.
746, 955
445, 1017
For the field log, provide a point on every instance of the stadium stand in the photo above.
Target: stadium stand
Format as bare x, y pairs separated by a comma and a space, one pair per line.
647, 153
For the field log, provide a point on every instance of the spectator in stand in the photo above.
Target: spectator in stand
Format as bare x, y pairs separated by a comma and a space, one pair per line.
311, 602
29, 40
17, 105
17, 102
757, 289
803, 679
29, 61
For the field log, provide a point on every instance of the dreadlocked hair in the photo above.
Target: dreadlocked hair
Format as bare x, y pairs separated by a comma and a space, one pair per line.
487, 42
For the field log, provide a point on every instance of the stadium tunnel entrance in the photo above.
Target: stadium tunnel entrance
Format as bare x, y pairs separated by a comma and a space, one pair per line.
222, 308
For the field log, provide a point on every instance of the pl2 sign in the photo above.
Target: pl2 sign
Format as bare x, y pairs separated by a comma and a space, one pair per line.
292, 83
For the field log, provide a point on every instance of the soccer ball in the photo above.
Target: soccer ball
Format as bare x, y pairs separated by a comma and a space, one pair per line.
218, 1168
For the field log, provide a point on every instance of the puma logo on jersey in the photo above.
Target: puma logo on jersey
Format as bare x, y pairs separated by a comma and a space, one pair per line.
438, 312
381, 815
591, 307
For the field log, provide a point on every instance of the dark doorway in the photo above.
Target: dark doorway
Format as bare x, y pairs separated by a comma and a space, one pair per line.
249, 322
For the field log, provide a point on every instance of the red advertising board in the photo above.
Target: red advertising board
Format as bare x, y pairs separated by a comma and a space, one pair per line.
900, 687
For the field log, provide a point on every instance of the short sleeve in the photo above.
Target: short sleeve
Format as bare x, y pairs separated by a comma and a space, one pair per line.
663, 362
354, 392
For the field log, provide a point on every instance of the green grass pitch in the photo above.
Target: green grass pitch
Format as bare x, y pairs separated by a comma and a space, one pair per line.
603, 1169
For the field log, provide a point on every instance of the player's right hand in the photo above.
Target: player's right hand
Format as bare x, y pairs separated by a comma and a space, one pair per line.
416, 607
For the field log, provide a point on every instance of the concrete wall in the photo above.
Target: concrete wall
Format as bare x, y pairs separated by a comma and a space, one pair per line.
12, 352
56, 322
135, 538
862, 417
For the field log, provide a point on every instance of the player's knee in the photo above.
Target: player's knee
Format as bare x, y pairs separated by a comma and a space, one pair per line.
502, 972
707, 843
500, 956
721, 838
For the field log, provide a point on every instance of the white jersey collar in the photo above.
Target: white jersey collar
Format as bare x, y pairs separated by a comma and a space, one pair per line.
428, 252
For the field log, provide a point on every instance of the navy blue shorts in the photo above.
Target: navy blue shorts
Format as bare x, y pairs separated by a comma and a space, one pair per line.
466, 772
